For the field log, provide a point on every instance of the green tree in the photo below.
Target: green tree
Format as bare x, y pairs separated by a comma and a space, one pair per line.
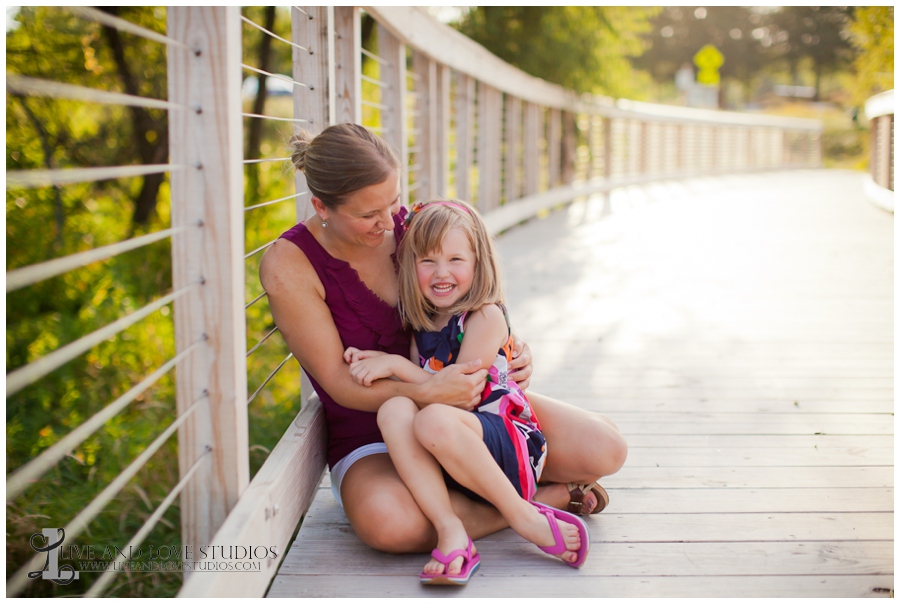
585, 48
817, 33
872, 34
678, 32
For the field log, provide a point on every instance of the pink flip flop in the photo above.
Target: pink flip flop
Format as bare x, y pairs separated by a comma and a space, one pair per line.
471, 562
559, 547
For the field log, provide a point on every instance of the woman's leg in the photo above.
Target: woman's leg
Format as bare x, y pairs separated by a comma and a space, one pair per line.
582, 446
423, 477
455, 438
386, 517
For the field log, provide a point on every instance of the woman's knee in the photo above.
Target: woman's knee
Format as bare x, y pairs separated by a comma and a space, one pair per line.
392, 524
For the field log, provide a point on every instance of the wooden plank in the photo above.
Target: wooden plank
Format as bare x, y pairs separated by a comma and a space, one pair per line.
465, 134
784, 500
504, 559
271, 507
347, 65
763, 441
426, 125
577, 586
751, 477
207, 199
774, 457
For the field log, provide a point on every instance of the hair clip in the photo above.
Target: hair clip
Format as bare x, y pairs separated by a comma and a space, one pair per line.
420, 205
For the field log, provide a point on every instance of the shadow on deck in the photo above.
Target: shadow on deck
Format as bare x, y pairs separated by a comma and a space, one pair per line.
739, 330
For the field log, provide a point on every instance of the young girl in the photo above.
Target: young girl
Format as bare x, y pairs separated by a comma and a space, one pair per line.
450, 294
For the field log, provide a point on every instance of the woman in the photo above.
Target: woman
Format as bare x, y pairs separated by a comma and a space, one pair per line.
332, 283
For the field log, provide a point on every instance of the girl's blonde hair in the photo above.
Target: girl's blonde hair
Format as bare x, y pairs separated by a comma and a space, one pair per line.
428, 226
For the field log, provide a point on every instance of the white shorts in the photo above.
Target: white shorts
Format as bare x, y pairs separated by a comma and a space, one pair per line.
341, 467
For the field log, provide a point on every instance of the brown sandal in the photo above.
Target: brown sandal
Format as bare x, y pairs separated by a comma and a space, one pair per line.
577, 493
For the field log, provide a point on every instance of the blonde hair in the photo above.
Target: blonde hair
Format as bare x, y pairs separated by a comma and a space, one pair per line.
427, 229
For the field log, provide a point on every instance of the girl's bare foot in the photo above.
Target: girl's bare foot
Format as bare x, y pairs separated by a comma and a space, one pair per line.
451, 537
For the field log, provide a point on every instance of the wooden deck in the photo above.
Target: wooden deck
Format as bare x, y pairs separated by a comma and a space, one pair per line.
740, 332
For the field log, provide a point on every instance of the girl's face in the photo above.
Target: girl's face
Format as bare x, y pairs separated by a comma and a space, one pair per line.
446, 275
366, 215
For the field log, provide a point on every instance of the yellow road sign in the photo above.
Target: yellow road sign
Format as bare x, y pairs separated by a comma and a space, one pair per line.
708, 60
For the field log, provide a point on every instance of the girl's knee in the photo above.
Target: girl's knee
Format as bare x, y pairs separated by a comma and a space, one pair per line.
395, 409
431, 424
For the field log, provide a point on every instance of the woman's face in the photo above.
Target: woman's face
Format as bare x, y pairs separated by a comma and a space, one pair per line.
366, 215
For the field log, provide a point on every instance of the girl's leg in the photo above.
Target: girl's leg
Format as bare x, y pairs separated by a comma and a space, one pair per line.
455, 438
423, 477
584, 445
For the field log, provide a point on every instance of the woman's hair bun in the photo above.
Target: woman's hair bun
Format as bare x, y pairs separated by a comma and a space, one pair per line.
299, 144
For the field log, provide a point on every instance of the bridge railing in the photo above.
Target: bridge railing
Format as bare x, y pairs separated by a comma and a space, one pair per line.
468, 125
464, 124
880, 184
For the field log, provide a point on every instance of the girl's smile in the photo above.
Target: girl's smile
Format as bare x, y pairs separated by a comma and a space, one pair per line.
446, 275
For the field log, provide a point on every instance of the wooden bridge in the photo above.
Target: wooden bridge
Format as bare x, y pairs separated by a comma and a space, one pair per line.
739, 331
691, 274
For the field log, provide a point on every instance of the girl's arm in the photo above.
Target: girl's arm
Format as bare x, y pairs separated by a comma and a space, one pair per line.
297, 300
365, 369
486, 332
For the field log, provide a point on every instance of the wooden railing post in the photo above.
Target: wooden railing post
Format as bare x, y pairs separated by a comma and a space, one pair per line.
465, 134
513, 139
393, 119
607, 148
313, 68
569, 156
554, 145
531, 151
347, 65
207, 199
426, 124
488, 158
442, 133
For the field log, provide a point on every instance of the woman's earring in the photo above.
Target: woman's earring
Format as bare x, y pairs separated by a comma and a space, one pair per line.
324, 224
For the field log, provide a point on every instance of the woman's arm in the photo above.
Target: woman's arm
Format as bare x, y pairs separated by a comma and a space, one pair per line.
297, 301
520, 368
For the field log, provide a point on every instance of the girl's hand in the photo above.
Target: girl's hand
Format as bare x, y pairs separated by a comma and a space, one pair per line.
367, 370
351, 355
520, 368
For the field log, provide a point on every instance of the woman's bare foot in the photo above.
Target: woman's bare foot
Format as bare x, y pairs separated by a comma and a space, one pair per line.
451, 537
534, 526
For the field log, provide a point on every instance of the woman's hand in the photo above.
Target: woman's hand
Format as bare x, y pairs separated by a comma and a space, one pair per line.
520, 368
458, 385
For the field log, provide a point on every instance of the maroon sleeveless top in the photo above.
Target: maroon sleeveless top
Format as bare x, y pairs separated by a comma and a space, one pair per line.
363, 320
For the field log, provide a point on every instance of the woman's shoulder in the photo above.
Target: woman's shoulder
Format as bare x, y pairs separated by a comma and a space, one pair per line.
285, 266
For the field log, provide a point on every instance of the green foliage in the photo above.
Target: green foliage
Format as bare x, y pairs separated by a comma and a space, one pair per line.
585, 48
872, 34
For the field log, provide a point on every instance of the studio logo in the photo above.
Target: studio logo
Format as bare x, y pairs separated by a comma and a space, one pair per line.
52, 569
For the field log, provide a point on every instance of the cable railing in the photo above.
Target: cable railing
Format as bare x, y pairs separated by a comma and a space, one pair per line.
27, 475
